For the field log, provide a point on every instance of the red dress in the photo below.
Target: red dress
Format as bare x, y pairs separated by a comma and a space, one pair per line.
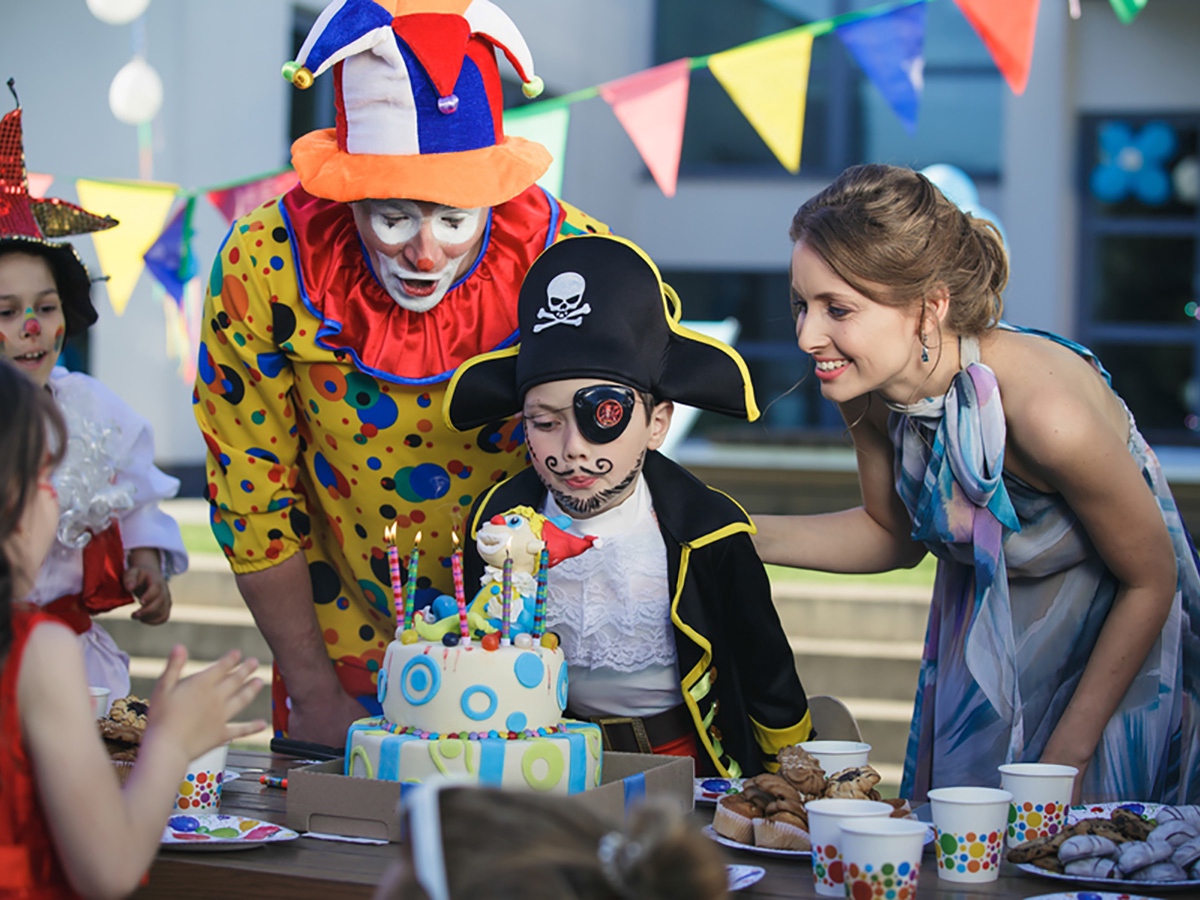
29, 864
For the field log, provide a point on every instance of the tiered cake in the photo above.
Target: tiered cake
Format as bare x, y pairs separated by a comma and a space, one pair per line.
480, 709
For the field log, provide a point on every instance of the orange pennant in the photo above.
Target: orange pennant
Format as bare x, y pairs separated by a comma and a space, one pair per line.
1007, 28
651, 106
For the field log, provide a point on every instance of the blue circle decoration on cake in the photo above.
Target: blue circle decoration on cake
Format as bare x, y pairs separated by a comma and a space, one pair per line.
529, 669
470, 692
562, 687
516, 722
420, 680
381, 685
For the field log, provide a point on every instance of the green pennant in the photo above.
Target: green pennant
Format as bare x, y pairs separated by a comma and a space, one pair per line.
1127, 10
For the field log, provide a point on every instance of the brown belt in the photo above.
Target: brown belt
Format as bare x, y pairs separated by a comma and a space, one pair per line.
641, 734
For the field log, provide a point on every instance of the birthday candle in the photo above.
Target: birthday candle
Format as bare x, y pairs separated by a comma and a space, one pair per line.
389, 535
539, 602
410, 592
456, 569
506, 600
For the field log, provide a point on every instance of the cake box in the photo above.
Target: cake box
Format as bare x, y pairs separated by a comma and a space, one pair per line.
320, 798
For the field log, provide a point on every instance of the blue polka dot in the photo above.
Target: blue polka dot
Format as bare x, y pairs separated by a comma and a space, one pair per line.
420, 680
516, 722
529, 669
488, 711
276, 263
374, 464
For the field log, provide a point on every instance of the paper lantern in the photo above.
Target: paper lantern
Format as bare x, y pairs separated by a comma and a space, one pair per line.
117, 12
136, 92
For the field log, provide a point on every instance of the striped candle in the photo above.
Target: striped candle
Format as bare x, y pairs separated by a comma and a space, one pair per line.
389, 535
410, 589
539, 601
456, 569
506, 601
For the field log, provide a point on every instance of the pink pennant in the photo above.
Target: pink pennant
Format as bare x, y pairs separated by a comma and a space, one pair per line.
239, 200
39, 184
651, 106
1007, 28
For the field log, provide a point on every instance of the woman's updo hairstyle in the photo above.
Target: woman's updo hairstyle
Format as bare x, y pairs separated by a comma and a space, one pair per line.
890, 234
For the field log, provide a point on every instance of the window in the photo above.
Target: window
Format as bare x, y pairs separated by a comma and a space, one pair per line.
1139, 267
847, 120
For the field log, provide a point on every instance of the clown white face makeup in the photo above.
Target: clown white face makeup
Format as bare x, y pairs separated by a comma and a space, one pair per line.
419, 249
585, 477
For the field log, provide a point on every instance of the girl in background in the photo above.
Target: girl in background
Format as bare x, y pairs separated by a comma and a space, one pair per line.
67, 828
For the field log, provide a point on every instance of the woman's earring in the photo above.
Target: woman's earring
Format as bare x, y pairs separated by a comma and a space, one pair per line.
924, 350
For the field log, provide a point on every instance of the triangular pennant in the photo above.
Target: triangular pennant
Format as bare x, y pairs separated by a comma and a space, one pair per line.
240, 199
547, 128
768, 80
141, 208
1127, 10
183, 327
890, 49
39, 184
169, 259
1007, 29
651, 106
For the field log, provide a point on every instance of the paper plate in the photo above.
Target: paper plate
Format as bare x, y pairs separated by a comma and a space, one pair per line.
744, 876
710, 790
1089, 895
217, 832
750, 848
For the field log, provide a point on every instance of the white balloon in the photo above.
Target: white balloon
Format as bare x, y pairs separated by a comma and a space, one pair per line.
954, 183
136, 92
117, 12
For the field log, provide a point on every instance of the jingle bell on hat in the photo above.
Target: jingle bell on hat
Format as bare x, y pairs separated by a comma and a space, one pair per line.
418, 104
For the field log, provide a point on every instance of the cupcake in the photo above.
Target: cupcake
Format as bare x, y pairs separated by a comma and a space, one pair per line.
734, 818
782, 831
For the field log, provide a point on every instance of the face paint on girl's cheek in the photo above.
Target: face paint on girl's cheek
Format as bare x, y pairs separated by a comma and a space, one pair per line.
60, 338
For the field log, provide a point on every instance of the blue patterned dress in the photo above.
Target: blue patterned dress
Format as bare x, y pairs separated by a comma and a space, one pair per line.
1019, 600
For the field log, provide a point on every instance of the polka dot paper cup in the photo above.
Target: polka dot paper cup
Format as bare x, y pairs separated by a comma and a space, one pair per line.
824, 821
1041, 798
970, 823
882, 858
200, 790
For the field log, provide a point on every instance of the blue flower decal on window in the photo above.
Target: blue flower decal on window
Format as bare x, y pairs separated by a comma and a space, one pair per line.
1134, 163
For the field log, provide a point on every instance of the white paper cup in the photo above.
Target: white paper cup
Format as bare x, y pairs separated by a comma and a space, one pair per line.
200, 790
100, 697
1041, 797
824, 818
837, 755
882, 857
970, 823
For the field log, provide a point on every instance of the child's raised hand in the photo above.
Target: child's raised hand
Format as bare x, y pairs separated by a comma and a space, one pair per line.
195, 711
144, 579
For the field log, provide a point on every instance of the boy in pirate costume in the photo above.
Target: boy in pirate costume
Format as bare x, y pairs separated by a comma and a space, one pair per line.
335, 317
668, 625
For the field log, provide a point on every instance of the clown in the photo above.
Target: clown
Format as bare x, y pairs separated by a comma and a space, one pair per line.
335, 317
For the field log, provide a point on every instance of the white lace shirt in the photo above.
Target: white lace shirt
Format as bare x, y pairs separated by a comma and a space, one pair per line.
611, 608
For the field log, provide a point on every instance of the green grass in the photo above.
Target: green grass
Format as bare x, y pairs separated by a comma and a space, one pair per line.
199, 539
919, 576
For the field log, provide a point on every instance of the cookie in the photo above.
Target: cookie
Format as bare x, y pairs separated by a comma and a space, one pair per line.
855, 783
803, 770
776, 785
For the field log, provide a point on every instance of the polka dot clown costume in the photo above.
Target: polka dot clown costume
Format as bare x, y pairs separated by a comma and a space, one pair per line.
319, 390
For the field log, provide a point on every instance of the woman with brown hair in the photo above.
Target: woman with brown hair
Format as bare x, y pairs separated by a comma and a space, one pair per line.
1065, 624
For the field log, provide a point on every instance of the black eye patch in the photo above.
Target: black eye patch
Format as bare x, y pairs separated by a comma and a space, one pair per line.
602, 412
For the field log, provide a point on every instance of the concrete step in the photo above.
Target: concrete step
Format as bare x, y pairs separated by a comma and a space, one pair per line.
869, 612
882, 670
207, 582
207, 631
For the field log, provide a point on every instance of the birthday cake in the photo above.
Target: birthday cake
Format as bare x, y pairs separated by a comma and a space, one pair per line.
478, 691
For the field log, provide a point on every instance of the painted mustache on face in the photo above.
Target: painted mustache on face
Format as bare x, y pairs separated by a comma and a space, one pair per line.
603, 466
586, 506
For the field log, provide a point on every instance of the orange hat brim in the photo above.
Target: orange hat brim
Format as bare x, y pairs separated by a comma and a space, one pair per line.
466, 179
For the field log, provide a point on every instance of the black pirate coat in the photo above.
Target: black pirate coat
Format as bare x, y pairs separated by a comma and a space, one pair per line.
738, 675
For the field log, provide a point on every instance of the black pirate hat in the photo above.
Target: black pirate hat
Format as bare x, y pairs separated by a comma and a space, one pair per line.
595, 306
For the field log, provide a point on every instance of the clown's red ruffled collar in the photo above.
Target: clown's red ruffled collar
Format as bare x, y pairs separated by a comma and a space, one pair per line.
359, 318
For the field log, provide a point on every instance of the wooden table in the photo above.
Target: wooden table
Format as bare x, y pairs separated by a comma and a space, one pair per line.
323, 870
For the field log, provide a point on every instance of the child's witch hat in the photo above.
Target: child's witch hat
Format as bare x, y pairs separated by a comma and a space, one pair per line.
595, 306
28, 222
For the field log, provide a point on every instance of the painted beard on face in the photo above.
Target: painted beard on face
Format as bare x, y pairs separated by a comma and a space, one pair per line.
582, 507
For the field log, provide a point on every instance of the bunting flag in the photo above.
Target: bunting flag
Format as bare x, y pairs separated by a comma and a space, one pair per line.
169, 258
768, 80
1127, 10
183, 327
651, 106
1007, 29
141, 207
548, 128
237, 200
39, 184
890, 49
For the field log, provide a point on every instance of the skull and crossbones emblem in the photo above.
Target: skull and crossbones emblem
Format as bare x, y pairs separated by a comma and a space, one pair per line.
564, 302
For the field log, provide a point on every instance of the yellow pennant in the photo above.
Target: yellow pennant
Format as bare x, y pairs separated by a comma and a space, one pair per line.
768, 80
141, 207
